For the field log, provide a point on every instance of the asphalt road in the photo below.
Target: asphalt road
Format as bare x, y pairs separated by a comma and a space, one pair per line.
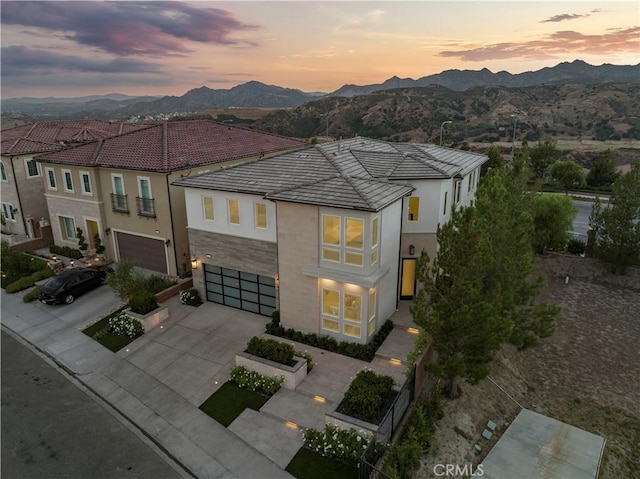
51, 428
581, 222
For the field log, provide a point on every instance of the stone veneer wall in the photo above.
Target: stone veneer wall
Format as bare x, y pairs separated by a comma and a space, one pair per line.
234, 252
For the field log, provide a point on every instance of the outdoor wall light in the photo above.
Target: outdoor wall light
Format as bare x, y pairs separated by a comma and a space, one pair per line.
194, 263
412, 249
167, 242
71, 263
107, 231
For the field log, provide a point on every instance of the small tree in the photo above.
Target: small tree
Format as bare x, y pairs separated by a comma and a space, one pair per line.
98, 242
543, 155
568, 173
125, 281
602, 171
496, 160
82, 243
552, 220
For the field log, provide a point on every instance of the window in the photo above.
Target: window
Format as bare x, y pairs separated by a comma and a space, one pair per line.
470, 180
331, 230
414, 207
457, 189
68, 228
352, 330
118, 197
331, 255
234, 212
68, 181
261, 215
374, 231
8, 212
3, 171
85, 181
330, 302
51, 179
372, 304
32, 169
207, 207
354, 233
444, 210
145, 206
354, 259
353, 307
374, 256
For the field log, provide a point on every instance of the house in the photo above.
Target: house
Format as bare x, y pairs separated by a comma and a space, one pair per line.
23, 186
120, 189
328, 235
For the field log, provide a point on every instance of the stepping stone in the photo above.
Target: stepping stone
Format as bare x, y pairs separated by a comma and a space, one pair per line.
487, 434
491, 425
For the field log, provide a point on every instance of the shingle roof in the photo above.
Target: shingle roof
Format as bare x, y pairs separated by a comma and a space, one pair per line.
174, 146
44, 136
352, 173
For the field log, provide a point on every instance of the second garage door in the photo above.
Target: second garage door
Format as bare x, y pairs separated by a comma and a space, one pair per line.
147, 253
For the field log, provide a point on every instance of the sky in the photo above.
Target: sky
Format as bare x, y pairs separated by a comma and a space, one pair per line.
77, 48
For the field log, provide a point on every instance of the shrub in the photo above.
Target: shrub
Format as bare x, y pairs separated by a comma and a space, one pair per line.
254, 381
308, 357
31, 295
576, 246
144, 302
16, 264
28, 281
82, 243
368, 397
190, 297
125, 325
156, 283
346, 446
66, 251
271, 349
98, 243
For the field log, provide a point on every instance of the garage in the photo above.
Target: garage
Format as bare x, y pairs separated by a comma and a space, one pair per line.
239, 289
147, 253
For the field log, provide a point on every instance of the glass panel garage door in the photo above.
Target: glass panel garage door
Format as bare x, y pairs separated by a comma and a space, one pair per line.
247, 291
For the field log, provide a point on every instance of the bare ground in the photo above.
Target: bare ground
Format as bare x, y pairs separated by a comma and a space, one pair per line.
587, 374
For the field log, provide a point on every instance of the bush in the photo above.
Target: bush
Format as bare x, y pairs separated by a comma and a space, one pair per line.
190, 297
156, 283
368, 397
254, 381
144, 302
66, 251
272, 350
16, 265
346, 446
31, 295
125, 325
576, 246
28, 281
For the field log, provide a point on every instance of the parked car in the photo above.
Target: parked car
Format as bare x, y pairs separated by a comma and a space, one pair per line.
67, 286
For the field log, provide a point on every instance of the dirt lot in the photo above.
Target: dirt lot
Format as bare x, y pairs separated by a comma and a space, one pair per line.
587, 374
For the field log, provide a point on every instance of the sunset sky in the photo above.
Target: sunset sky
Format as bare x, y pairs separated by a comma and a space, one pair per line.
78, 48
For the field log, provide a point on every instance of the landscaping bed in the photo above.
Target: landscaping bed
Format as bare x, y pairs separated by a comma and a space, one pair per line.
228, 402
102, 333
307, 464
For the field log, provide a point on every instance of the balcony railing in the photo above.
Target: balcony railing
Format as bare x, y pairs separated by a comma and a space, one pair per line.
119, 203
146, 207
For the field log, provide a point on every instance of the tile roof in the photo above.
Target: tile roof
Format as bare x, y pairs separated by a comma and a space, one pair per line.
44, 136
352, 173
174, 146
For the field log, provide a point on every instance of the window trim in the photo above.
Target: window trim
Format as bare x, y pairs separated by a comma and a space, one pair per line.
26, 168
409, 217
337, 245
113, 184
204, 208
458, 190
64, 181
49, 178
63, 231
363, 222
8, 208
88, 175
237, 205
3, 172
266, 221
139, 180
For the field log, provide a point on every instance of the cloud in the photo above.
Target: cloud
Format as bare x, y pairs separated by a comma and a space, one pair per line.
563, 17
559, 43
18, 61
130, 28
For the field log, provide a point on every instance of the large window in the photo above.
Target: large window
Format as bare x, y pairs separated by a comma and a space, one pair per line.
207, 207
374, 239
51, 179
261, 215
234, 212
3, 172
119, 197
68, 181
85, 180
414, 208
68, 228
331, 230
342, 312
8, 212
331, 308
31, 168
145, 200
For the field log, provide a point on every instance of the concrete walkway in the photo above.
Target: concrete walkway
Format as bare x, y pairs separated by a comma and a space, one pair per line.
158, 381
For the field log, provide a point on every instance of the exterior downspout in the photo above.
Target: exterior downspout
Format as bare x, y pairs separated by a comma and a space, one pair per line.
173, 233
15, 179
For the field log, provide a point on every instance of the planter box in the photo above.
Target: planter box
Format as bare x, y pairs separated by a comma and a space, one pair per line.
293, 375
151, 319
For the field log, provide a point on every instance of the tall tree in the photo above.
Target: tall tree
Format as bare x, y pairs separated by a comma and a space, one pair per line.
568, 173
543, 155
617, 226
480, 291
552, 221
602, 171
496, 160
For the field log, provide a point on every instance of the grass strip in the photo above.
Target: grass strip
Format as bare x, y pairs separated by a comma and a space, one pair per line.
228, 402
308, 464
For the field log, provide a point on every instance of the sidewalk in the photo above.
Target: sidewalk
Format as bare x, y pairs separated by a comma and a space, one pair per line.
159, 380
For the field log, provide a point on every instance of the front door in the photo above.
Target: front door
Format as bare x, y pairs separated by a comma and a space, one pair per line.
408, 278
92, 231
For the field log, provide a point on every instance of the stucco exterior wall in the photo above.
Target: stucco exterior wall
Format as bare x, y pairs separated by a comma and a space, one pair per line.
80, 211
389, 257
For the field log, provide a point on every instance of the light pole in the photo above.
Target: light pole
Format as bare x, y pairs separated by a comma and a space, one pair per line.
442, 128
513, 141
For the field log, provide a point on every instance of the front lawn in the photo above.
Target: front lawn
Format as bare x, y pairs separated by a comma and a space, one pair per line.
307, 464
100, 332
228, 402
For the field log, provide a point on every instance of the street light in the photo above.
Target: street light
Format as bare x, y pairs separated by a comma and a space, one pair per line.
442, 127
513, 142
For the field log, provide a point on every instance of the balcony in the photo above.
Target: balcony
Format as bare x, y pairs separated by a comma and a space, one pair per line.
146, 207
119, 203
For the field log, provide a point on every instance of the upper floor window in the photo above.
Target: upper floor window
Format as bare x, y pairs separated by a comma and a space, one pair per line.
354, 233
145, 201
68, 181
261, 215
51, 179
457, 190
444, 210
85, 181
414, 208
331, 230
9, 212
3, 172
207, 207
118, 197
374, 239
234, 212
32, 168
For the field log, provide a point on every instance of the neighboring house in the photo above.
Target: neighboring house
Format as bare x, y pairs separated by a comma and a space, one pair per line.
328, 235
23, 201
120, 188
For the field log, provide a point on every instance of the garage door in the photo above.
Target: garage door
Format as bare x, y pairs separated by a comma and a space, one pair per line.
238, 289
147, 253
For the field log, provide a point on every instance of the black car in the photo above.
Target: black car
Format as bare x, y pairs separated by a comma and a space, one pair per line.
67, 286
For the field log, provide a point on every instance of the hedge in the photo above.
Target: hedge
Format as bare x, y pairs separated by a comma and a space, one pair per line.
66, 251
28, 281
272, 350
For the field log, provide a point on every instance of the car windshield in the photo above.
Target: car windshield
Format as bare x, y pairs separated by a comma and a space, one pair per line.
55, 283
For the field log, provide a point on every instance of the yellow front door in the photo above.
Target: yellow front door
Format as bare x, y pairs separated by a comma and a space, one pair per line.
92, 230
408, 284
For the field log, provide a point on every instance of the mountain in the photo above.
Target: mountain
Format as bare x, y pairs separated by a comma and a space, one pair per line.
576, 72
79, 99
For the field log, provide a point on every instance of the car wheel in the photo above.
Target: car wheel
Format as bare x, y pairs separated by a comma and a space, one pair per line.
69, 299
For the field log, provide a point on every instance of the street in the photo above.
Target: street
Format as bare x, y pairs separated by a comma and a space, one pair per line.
581, 222
52, 428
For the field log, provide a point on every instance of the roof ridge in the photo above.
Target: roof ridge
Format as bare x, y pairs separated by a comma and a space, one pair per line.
433, 158
97, 151
349, 180
301, 185
31, 129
